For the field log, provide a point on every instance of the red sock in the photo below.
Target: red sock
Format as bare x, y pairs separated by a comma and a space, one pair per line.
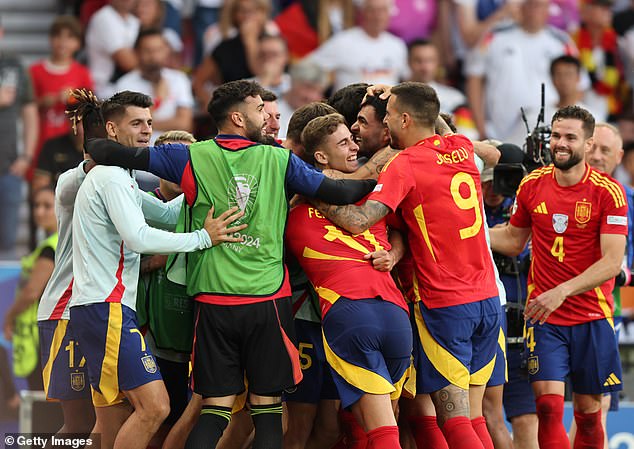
551, 432
385, 437
354, 435
480, 426
427, 433
460, 434
589, 431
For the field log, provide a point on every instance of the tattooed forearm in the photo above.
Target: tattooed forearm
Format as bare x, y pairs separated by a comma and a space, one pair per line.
355, 219
450, 402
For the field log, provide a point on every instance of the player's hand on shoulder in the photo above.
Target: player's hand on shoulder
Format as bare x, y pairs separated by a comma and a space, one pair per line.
540, 308
381, 260
218, 229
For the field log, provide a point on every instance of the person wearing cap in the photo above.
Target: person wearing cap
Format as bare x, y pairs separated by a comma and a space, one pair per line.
308, 84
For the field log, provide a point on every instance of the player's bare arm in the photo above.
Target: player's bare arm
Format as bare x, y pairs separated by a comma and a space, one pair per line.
509, 240
442, 127
355, 219
487, 152
609, 266
369, 170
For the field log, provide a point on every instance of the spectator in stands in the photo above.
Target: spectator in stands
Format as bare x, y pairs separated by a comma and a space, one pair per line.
170, 89
305, 24
205, 15
16, 102
233, 45
505, 72
58, 154
599, 53
272, 128
367, 53
414, 20
20, 321
626, 126
110, 39
272, 61
308, 84
153, 14
53, 78
565, 72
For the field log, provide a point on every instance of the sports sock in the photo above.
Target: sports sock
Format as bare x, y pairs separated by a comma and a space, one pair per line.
460, 434
355, 436
589, 431
385, 437
480, 426
427, 433
267, 420
212, 422
551, 433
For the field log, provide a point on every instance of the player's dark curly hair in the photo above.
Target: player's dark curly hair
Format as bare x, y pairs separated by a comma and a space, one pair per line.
86, 108
347, 101
228, 95
577, 113
378, 104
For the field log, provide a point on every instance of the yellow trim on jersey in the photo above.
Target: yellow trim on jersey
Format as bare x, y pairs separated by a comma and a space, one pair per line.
329, 295
535, 174
422, 224
109, 379
610, 186
603, 304
56, 345
357, 376
387, 164
445, 362
313, 254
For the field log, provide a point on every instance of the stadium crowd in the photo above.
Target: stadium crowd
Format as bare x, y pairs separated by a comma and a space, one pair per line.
282, 224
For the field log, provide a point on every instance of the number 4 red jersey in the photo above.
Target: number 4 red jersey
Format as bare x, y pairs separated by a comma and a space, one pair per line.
333, 258
567, 223
435, 185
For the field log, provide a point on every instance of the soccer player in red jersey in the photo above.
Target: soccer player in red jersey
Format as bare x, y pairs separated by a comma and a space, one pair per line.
578, 220
435, 186
366, 331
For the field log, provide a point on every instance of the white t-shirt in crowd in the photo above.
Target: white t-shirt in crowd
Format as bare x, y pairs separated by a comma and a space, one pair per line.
180, 93
514, 64
107, 33
353, 56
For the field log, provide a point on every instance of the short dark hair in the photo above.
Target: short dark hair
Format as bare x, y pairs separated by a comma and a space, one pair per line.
378, 104
228, 95
267, 95
305, 114
148, 32
576, 113
419, 100
448, 118
347, 101
69, 23
116, 106
565, 59
317, 130
418, 43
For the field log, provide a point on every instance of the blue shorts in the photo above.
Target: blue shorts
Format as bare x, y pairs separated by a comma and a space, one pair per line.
518, 393
116, 354
63, 364
368, 345
587, 352
317, 383
459, 344
499, 376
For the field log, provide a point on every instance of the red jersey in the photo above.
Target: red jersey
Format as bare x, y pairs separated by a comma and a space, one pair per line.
566, 225
333, 258
47, 81
435, 186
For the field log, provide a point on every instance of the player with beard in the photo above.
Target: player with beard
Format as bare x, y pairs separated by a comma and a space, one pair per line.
434, 185
577, 217
242, 291
366, 332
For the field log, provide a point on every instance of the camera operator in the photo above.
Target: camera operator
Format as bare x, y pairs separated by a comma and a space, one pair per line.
519, 402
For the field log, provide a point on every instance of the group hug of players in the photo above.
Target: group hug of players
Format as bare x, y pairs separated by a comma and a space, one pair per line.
389, 288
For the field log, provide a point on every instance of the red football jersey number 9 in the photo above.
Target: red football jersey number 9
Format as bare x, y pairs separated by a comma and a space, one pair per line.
466, 203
